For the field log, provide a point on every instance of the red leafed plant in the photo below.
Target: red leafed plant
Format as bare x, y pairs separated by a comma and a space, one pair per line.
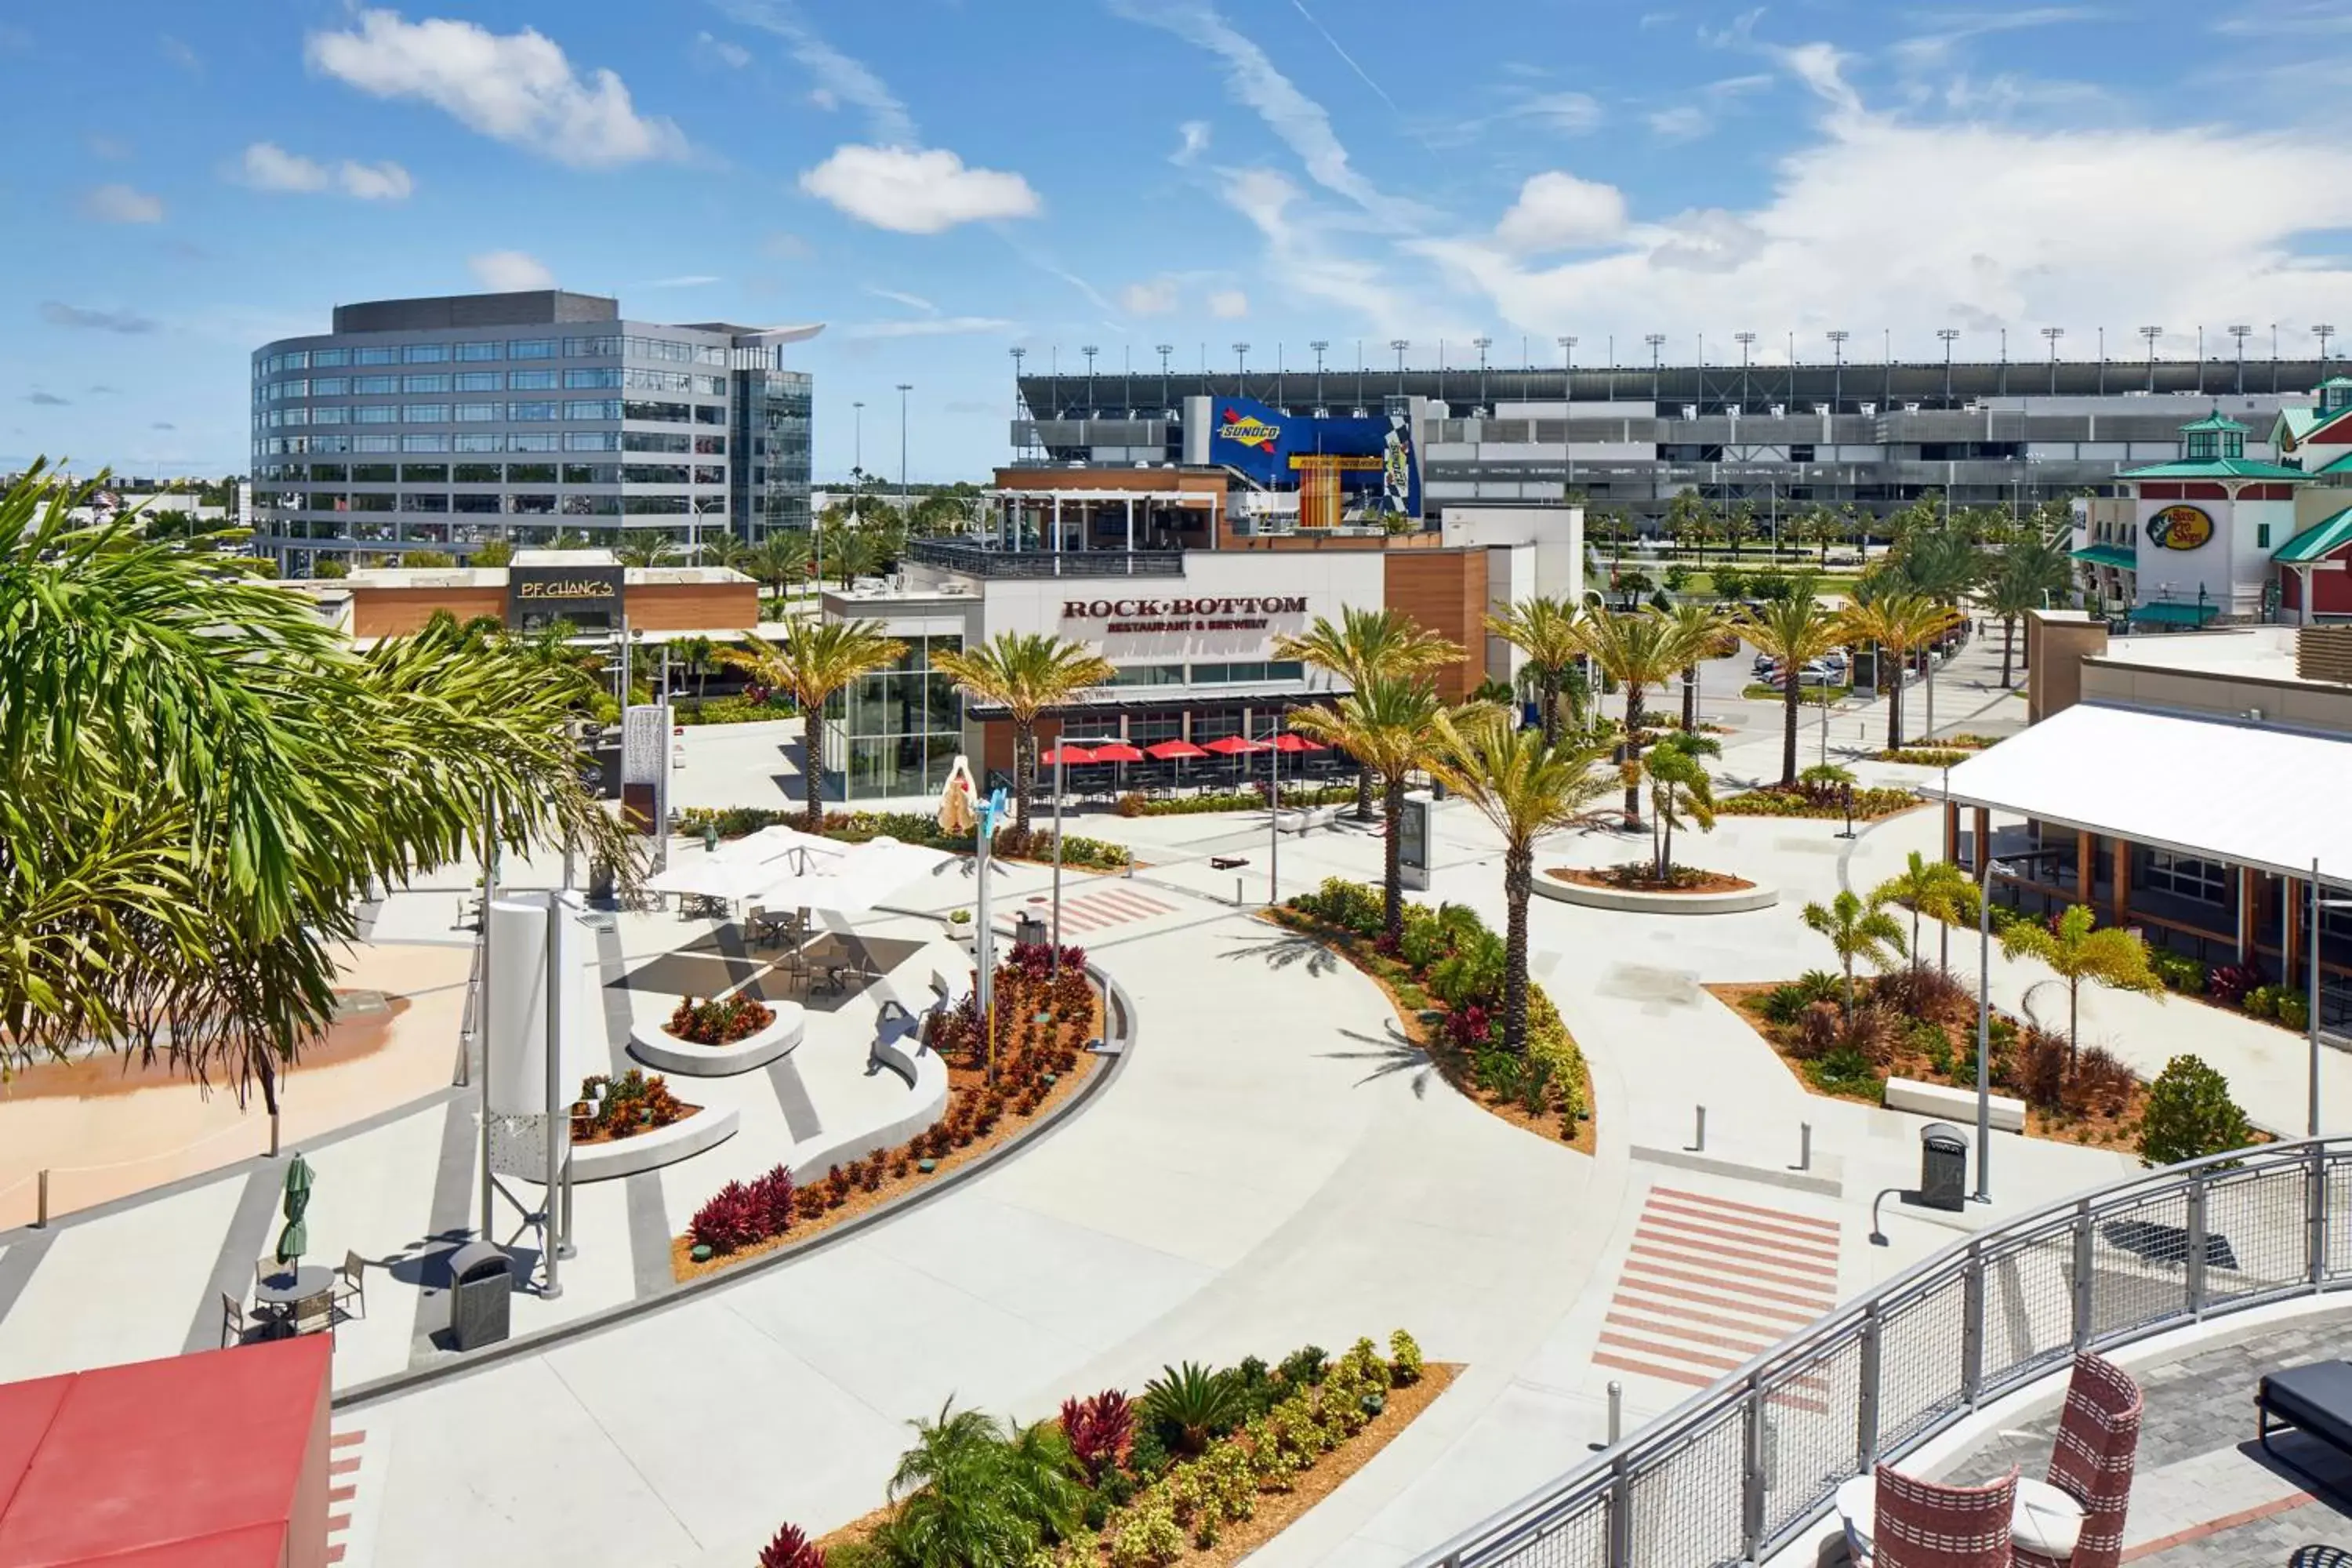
728, 1221
771, 1196
791, 1548
1099, 1429
720, 1023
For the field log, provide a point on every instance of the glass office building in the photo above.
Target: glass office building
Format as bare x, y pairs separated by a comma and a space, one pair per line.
446, 423
897, 730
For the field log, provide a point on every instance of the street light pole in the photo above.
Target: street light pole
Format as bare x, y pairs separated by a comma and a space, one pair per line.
1984, 1016
905, 388
2242, 332
1567, 413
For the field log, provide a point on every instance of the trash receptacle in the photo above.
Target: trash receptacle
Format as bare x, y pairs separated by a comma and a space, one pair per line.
1029, 929
1943, 1167
481, 1295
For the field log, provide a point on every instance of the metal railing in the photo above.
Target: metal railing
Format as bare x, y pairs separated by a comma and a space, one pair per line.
981, 561
1740, 1470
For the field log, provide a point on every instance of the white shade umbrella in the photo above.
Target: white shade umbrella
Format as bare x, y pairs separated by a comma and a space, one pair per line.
861, 876
739, 870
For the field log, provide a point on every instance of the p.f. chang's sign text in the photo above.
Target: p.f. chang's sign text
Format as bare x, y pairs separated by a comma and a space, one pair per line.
564, 588
1240, 614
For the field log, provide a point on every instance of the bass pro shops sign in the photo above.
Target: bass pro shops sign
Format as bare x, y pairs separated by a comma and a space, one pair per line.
1238, 614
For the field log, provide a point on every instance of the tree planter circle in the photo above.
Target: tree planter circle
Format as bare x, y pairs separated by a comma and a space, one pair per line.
1642, 901
659, 1048
681, 1139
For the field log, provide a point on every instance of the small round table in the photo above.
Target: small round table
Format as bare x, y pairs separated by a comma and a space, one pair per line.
280, 1295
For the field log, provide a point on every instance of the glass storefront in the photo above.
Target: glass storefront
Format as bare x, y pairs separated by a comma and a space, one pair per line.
895, 731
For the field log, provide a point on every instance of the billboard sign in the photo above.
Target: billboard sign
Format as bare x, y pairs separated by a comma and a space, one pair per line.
1370, 463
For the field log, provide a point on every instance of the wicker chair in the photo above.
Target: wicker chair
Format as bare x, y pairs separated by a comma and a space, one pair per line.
2098, 1441
1924, 1524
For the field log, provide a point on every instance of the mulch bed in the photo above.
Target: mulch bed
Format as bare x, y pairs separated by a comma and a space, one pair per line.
1697, 881
1448, 1062
961, 1081
2098, 1130
635, 1129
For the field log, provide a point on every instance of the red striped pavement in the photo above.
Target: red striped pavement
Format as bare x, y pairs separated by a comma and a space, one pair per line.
1103, 908
1710, 1282
342, 1485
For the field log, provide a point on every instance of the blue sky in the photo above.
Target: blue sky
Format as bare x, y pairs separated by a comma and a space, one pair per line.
941, 180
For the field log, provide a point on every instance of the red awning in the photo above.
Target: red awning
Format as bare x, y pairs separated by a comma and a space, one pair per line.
1118, 752
1173, 751
1236, 746
1069, 756
1289, 741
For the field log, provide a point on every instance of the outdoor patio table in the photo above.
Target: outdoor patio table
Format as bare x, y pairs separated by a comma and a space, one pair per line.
278, 1295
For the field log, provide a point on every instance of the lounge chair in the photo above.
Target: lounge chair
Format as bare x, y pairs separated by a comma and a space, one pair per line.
1926, 1524
2098, 1442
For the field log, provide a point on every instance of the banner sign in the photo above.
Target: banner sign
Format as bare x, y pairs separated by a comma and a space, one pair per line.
1368, 464
644, 744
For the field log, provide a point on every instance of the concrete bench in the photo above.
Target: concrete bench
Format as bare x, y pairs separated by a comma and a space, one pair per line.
1950, 1103
1302, 819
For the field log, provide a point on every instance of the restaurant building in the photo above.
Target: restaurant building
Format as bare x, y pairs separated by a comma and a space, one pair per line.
588, 589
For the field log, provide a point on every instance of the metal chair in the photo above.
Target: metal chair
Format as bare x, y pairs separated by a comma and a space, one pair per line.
1924, 1524
352, 1283
2098, 1443
234, 1325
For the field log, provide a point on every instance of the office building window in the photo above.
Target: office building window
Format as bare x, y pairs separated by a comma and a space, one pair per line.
425, 473
476, 413
530, 473
654, 506
709, 413
531, 505
425, 413
480, 381
376, 356
2261, 536
592, 441
897, 731
531, 348
653, 474
590, 474
425, 383
593, 409
591, 506
656, 413
371, 384
425, 503
376, 413
425, 353
329, 359
476, 506
657, 380
711, 445
519, 411
479, 473
329, 471
710, 386
429, 443
286, 389
374, 473
2184, 877
1149, 675
364, 443
592, 378
531, 380
652, 441
330, 387
590, 348
711, 474
297, 360
325, 415
478, 351
469, 441
534, 441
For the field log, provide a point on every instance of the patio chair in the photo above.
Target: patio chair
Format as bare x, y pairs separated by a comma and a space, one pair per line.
1926, 1524
352, 1283
313, 1313
235, 1326
2098, 1441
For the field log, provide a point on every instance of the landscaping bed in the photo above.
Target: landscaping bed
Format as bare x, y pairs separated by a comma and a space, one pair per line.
1816, 695
1041, 1065
1820, 793
1642, 877
1446, 981
611, 1109
910, 827
1202, 1468
1943, 752
1135, 804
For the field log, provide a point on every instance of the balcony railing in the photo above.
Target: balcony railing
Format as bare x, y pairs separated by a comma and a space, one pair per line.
981, 561
1739, 1470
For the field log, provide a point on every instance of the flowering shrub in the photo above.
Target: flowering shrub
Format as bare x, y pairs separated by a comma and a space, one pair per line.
791, 1548
631, 1104
1100, 1429
2229, 983
718, 1022
740, 1214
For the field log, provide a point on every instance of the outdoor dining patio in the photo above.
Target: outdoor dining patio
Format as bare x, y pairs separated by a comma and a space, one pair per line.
1083, 771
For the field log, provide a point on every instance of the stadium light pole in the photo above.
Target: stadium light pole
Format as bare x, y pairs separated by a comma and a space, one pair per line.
1747, 341
2242, 332
2323, 331
1657, 341
1837, 337
2151, 334
1318, 345
1164, 349
1400, 344
1567, 412
904, 388
2050, 335
1089, 350
1949, 334
1483, 344
1241, 360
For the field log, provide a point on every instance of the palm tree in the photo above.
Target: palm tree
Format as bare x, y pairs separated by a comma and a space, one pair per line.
1899, 623
779, 560
2028, 572
199, 780
1856, 930
1792, 631
1679, 783
696, 655
1942, 563
1638, 649
1545, 630
655, 551
2109, 956
813, 659
856, 553
1389, 724
1526, 787
1935, 889
1701, 629
490, 553
724, 550
969, 1493
1026, 674
1364, 645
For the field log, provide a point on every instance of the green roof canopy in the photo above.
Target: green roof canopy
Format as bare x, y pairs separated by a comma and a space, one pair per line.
2319, 542
2216, 468
2116, 555
2217, 420
2176, 615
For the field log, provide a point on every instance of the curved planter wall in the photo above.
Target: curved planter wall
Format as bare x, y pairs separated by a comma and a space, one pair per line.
681, 1139
1627, 901
664, 1052
927, 1081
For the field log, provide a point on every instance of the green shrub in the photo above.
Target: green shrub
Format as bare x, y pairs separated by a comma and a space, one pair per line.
1473, 973
1147, 1536
856, 1554
1846, 1071
1404, 1357
1867, 803
1304, 1367
1135, 804
2294, 1010
1352, 906
2177, 971
2261, 1002
2190, 1114
1193, 1405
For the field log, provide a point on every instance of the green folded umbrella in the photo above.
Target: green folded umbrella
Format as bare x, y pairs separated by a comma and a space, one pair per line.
294, 1239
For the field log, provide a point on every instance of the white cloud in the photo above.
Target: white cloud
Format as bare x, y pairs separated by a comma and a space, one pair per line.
510, 270
731, 55
781, 247
1572, 112
114, 148
129, 323
1228, 304
515, 86
1556, 211
1683, 122
916, 191
1156, 296
1299, 249
840, 79
122, 204
266, 167
180, 55
912, 302
686, 280
931, 327
1192, 140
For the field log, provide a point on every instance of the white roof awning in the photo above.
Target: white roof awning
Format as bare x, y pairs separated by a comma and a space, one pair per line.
2272, 799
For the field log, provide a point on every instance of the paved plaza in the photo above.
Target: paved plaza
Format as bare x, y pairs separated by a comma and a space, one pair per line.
1271, 1164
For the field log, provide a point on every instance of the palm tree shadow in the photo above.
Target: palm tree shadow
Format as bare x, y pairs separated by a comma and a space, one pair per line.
1391, 1054
1287, 951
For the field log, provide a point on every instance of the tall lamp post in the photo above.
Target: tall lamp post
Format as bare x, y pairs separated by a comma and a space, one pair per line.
1657, 342
1090, 350
1400, 344
1241, 359
905, 388
1747, 341
1989, 869
1318, 345
1483, 344
2151, 334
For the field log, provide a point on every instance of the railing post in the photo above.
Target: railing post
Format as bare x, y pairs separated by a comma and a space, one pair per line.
1752, 1476
2193, 1270
1865, 1423
1972, 1325
2081, 1293
1620, 1513
2314, 1230
41, 1219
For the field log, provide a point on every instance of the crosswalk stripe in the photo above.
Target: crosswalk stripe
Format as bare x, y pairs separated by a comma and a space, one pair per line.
1667, 1220
1725, 1207
1738, 1265
1753, 1229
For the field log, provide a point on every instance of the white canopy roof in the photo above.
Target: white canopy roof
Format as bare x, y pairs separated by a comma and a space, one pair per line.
744, 867
2273, 799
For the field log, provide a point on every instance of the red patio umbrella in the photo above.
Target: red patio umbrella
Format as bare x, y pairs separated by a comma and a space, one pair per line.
1235, 746
1173, 751
1290, 741
1118, 752
1069, 756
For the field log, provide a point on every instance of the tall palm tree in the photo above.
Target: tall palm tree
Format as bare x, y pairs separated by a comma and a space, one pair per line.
1527, 786
1544, 629
1856, 930
1899, 623
1638, 649
1703, 631
1935, 889
1942, 563
2025, 577
1389, 724
723, 550
1793, 632
2108, 955
779, 560
1026, 674
813, 659
654, 551
855, 552
1679, 783
696, 655
1364, 645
